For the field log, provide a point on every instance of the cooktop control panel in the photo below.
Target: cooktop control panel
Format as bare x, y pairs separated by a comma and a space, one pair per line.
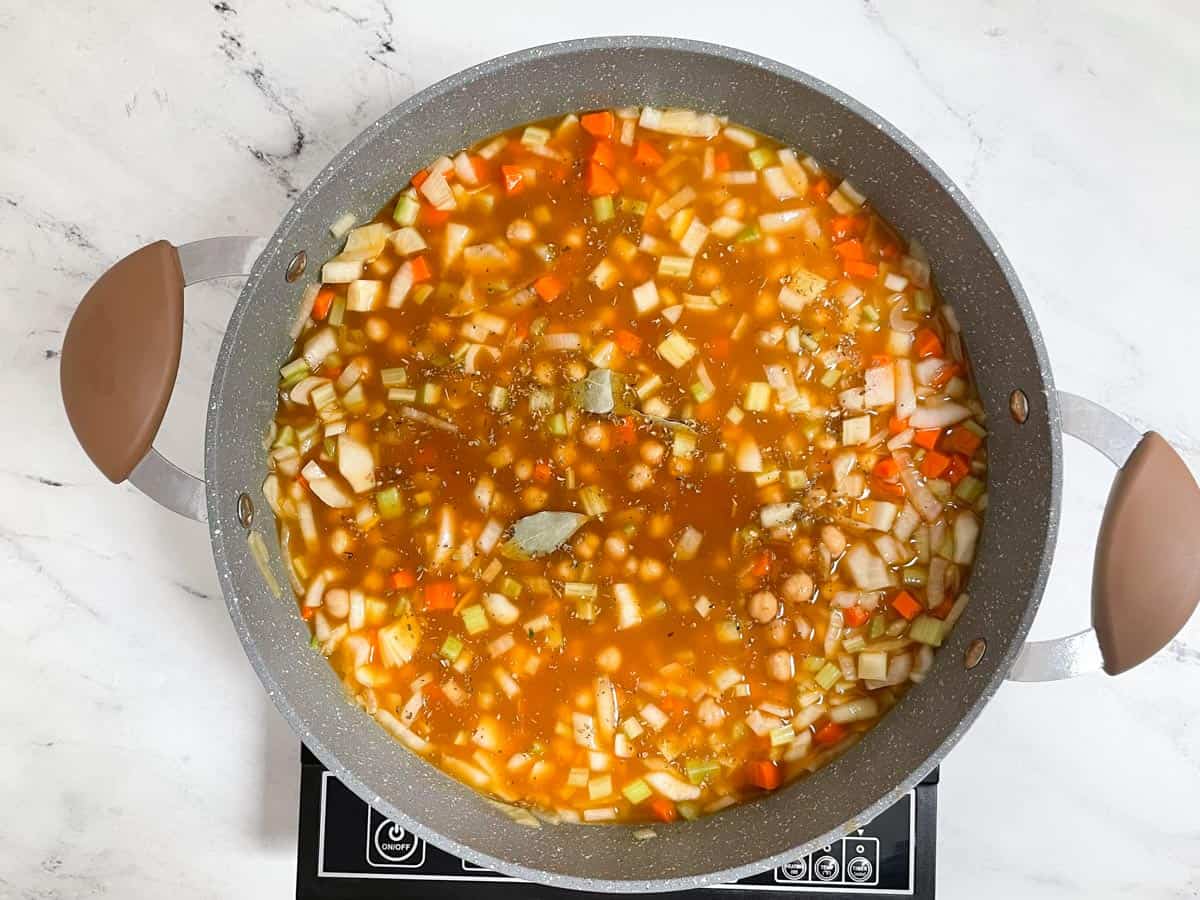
348, 849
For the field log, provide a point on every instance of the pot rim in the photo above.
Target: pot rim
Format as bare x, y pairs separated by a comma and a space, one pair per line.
275, 251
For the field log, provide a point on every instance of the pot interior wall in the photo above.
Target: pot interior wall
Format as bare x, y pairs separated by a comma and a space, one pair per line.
972, 273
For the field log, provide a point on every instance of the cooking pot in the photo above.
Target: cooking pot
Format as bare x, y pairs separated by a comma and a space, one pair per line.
121, 354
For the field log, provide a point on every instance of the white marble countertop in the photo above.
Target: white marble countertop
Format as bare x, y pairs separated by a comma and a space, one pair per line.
138, 755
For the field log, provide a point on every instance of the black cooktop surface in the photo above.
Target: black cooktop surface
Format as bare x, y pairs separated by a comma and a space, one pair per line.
349, 850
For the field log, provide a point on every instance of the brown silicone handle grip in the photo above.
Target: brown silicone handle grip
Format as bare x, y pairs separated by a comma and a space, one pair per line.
120, 357
1146, 581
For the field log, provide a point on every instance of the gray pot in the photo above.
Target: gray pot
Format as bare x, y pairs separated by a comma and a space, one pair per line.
117, 378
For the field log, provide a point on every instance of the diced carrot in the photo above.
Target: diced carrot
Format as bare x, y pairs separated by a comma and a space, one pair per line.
420, 269
425, 456
718, 348
935, 464
626, 432
961, 440
402, 579
831, 733
897, 425
943, 609
599, 180
321, 305
302, 481
892, 489
889, 250
851, 249
907, 605
439, 595
628, 342
645, 154
764, 773
842, 227
880, 359
672, 705
307, 612
549, 287
514, 179
520, 329
431, 215
419, 178
928, 344
542, 473
927, 437
821, 188
603, 154
331, 371
598, 124
959, 467
887, 469
855, 616
722, 162
664, 810
480, 167
861, 269
762, 564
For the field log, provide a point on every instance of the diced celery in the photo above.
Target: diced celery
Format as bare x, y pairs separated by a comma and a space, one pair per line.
635, 207
402, 395
636, 791
828, 676
429, 394
761, 157
510, 587
406, 210
969, 489
699, 770
451, 647
831, 377
795, 479
498, 398
702, 392
389, 503
675, 266
784, 734
878, 625
813, 663
854, 643
923, 301
914, 576
593, 500
294, 372
337, 312
580, 589
557, 425
676, 349
926, 630
602, 208
474, 619
396, 377
757, 397
747, 235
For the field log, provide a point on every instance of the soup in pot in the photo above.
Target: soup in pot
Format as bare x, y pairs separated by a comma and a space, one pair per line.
628, 465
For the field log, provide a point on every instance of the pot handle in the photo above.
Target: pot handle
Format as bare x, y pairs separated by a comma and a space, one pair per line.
120, 357
1146, 573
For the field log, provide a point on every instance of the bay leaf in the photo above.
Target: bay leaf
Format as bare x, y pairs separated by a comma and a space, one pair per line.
541, 534
594, 393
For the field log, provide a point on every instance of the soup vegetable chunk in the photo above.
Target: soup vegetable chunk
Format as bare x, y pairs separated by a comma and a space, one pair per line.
628, 465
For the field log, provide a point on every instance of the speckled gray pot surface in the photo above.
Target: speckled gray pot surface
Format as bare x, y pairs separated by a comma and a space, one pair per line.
973, 274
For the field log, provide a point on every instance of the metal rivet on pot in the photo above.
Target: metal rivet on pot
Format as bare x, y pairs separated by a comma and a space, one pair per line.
296, 267
245, 510
1018, 405
975, 651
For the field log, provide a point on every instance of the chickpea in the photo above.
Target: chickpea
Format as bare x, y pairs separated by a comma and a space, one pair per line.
798, 588
575, 238
586, 545
575, 370
708, 276
631, 567
595, 435
779, 632
337, 603
523, 469
659, 525
709, 713
586, 470
377, 329
765, 306
534, 497
543, 372
734, 207
641, 476
564, 454
680, 466
615, 546
521, 231
398, 345
826, 441
485, 699
609, 659
833, 539
801, 550
651, 569
780, 666
652, 452
763, 607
